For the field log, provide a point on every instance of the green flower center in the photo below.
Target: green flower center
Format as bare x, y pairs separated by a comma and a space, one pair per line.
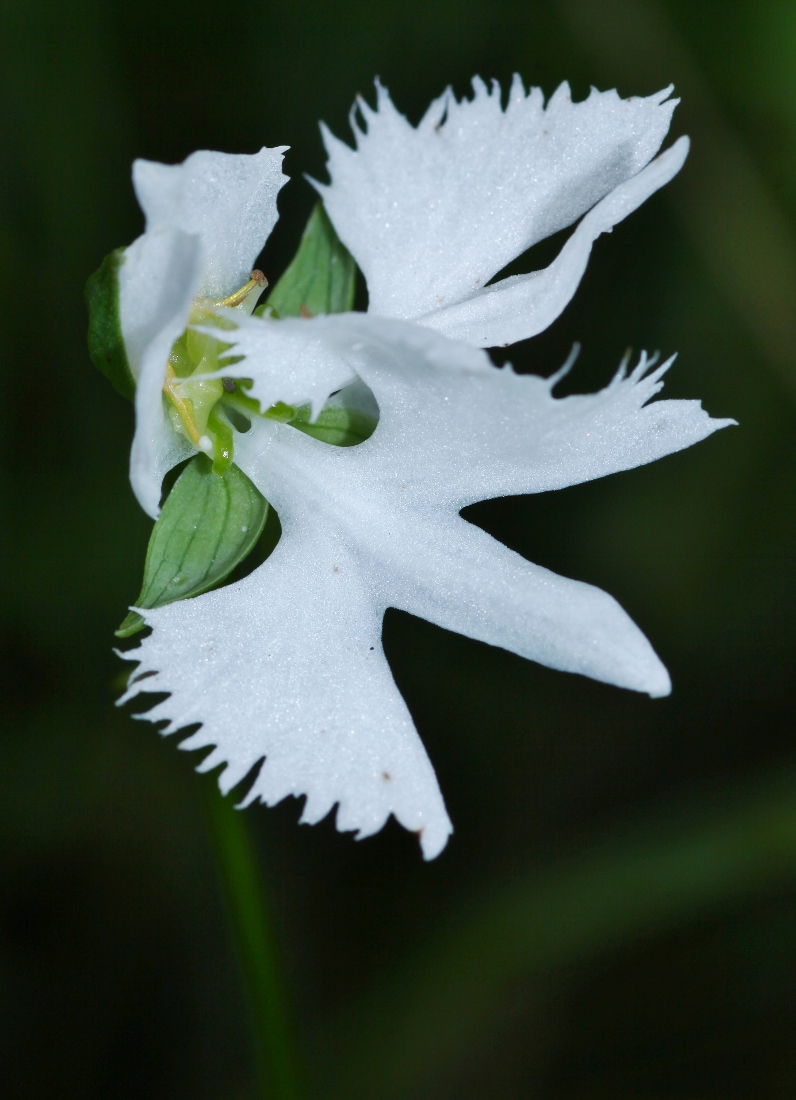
199, 406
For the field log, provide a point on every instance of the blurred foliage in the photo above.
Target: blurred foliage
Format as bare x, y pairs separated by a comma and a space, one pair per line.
117, 970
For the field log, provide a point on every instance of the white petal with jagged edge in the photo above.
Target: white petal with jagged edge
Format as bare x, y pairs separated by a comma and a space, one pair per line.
431, 213
524, 305
454, 429
157, 282
228, 199
288, 665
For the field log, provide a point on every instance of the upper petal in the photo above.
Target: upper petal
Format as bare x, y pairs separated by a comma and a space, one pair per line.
524, 305
157, 283
228, 199
432, 212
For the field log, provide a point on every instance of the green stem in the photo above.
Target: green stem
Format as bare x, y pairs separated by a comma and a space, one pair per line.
239, 870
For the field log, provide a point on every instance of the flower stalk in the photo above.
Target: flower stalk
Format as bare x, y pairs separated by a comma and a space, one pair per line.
244, 891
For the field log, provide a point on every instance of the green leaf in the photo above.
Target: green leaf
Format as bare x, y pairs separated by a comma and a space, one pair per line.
321, 277
209, 524
105, 340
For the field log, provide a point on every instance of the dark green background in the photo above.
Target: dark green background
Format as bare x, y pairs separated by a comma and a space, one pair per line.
457, 978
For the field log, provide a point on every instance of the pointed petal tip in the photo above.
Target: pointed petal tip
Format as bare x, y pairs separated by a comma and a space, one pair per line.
661, 97
643, 672
677, 152
321, 188
334, 147
249, 799
432, 829
566, 366
433, 840
658, 683
639, 667
146, 492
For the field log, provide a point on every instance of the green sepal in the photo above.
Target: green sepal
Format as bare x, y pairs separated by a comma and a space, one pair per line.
336, 424
105, 340
321, 277
209, 523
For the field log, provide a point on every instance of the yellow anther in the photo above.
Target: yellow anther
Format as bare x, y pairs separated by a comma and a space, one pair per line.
257, 282
171, 390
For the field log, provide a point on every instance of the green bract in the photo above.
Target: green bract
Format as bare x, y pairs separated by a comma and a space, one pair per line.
321, 277
105, 340
209, 524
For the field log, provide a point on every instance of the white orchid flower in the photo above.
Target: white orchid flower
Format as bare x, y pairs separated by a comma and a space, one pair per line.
286, 668
288, 664
432, 213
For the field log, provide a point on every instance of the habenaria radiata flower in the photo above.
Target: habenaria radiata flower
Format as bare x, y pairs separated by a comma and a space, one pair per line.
286, 666
432, 213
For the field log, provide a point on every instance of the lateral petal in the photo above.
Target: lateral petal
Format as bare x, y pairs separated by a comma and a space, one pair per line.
470, 583
454, 429
524, 305
432, 212
228, 199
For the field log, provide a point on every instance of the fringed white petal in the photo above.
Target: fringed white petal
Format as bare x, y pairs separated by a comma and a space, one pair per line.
432, 212
454, 429
157, 282
524, 305
228, 199
288, 665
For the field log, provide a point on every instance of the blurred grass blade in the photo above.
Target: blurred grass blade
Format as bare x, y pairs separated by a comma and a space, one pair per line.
239, 867
321, 277
105, 340
209, 523
639, 881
